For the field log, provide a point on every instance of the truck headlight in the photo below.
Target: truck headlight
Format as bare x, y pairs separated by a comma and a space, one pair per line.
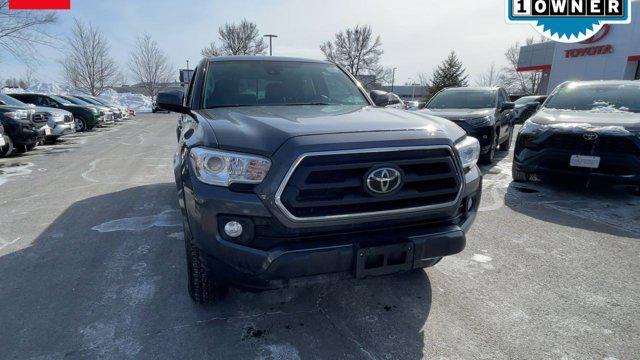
469, 150
17, 114
482, 121
531, 128
223, 168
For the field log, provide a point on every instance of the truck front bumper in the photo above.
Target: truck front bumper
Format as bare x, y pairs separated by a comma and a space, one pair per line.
277, 256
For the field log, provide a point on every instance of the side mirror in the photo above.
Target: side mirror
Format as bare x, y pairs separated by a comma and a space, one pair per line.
172, 100
533, 105
507, 106
380, 98
393, 99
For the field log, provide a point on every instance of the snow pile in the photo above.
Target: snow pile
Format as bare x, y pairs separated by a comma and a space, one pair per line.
49, 88
137, 102
12, 91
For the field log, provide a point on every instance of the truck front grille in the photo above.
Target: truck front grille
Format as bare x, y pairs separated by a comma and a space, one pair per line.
40, 118
326, 185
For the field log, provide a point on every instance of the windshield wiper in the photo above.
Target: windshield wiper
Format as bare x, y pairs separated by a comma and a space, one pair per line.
230, 105
311, 103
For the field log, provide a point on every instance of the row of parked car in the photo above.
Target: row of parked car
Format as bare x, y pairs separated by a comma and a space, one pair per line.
588, 129
29, 119
486, 113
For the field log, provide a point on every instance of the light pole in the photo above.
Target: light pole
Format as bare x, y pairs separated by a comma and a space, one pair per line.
270, 36
393, 77
413, 89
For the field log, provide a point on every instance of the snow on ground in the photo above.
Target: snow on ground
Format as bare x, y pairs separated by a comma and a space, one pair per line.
137, 102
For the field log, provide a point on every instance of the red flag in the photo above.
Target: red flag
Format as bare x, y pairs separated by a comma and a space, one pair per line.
39, 4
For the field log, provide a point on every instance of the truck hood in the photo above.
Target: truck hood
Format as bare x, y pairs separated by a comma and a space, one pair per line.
628, 120
460, 114
262, 129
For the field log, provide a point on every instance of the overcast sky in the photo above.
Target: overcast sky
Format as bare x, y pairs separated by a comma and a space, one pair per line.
416, 34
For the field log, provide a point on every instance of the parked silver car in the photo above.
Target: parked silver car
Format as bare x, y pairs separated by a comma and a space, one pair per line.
118, 114
59, 121
106, 115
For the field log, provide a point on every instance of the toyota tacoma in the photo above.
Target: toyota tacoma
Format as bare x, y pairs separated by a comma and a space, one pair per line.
287, 170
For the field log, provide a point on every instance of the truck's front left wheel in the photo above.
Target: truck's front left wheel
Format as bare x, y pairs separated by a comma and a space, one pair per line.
202, 287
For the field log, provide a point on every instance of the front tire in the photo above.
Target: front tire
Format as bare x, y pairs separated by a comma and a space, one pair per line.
507, 143
8, 147
202, 287
81, 124
487, 158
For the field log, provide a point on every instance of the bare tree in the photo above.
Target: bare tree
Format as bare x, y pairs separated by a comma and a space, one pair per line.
22, 31
491, 77
358, 51
15, 83
149, 65
241, 39
520, 82
29, 77
88, 65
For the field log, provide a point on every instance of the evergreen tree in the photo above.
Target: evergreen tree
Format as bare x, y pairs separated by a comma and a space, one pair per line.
450, 73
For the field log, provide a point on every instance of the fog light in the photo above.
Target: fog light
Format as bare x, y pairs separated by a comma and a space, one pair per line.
233, 229
469, 204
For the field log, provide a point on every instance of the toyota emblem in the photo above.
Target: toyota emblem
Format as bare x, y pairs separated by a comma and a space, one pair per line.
590, 136
383, 181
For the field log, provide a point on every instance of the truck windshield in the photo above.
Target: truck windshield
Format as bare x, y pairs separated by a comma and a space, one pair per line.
269, 83
597, 98
463, 99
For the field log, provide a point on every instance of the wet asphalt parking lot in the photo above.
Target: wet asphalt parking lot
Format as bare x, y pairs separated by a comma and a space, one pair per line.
92, 266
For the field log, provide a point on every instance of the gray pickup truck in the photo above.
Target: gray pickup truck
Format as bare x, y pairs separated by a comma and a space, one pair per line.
286, 169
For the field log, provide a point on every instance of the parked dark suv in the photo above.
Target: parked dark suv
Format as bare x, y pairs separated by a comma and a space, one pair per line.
585, 130
484, 113
85, 117
286, 170
20, 132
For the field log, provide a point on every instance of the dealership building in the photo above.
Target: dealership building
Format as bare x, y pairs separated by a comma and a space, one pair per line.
611, 54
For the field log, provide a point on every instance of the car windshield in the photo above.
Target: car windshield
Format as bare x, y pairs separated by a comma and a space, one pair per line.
8, 100
265, 83
102, 102
463, 99
90, 101
61, 100
597, 98
77, 101
526, 100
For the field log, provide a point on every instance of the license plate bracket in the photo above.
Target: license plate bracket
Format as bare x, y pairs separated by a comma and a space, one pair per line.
585, 161
383, 260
